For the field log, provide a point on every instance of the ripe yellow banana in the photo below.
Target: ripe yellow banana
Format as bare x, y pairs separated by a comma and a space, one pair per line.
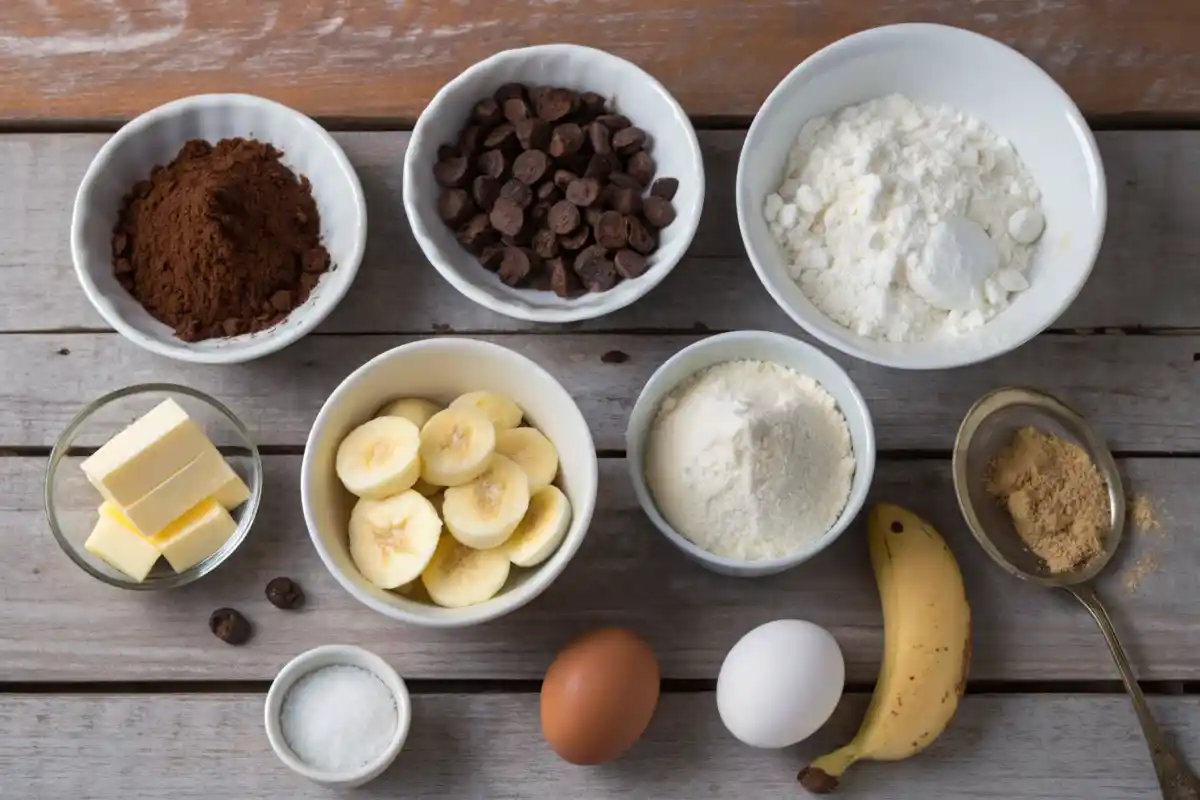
926, 651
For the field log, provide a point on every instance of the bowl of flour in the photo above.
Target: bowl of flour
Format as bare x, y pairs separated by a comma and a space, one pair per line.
921, 197
750, 451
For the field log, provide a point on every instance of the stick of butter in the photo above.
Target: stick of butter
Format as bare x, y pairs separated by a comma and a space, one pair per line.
188, 540
233, 493
121, 546
202, 477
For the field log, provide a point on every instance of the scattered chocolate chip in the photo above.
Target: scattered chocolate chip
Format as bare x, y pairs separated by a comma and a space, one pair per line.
507, 216
454, 207
584, 191
566, 140
628, 141
563, 217
576, 239
531, 166
556, 104
64, 351
518, 192
285, 593
514, 266
487, 112
491, 163
228, 625
485, 189
640, 237
516, 109
611, 232
665, 188
503, 135
533, 134
614, 357
563, 279
658, 212
614, 122
641, 168
453, 172
629, 264
545, 243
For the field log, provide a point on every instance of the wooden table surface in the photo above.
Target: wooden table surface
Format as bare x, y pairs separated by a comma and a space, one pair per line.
107, 694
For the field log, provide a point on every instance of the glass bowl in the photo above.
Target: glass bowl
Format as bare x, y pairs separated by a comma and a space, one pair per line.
71, 501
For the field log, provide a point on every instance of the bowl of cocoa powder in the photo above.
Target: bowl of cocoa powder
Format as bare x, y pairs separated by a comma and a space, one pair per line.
218, 228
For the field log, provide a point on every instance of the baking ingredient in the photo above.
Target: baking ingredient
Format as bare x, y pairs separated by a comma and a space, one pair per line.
880, 216
457, 445
750, 460
380, 458
926, 648
541, 530
599, 695
232, 493
484, 513
393, 540
414, 409
459, 576
780, 683
224, 240
502, 412
196, 535
533, 452
230, 626
285, 593
338, 718
122, 548
1056, 497
177, 494
1142, 512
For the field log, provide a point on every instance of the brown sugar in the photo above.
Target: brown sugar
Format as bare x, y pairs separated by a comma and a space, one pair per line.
1055, 495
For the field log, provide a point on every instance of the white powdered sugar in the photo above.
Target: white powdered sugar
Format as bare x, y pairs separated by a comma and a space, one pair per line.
750, 460
904, 221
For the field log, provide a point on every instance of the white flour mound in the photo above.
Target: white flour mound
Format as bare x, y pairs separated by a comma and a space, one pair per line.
866, 191
750, 460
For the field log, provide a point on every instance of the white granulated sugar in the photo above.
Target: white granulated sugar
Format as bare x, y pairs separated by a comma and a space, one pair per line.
896, 219
338, 718
750, 460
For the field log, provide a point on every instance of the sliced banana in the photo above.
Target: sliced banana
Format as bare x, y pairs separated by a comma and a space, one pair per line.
393, 540
542, 530
460, 576
485, 512
425, 489
380, 458
503, 413
533, 452
456, 446
416, 410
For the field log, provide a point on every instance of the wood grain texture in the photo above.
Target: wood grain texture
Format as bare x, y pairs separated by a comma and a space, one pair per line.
1152, 242
56, 623
211, 747
1137, 390
384, 58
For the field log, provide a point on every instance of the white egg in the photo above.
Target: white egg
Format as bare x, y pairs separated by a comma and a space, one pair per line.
780, 683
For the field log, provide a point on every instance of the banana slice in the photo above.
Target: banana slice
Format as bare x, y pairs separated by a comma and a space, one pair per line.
503, 413
414, 409
485, 512
460, 576
393, 540
380, 458
542, 530
456, 446
533, 452
425, 489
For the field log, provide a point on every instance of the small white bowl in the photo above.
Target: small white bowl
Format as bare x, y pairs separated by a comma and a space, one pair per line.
756, 346
674, 147
328, 656
155, 138
440, 369
939, 65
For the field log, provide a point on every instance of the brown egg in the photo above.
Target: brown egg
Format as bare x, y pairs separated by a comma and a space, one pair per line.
598, 696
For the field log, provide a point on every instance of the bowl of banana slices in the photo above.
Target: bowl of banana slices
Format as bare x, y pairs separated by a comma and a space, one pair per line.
448, 481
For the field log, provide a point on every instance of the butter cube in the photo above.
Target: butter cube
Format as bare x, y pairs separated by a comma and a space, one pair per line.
170, 499
131, 464
121, 547
233, 493
196, 535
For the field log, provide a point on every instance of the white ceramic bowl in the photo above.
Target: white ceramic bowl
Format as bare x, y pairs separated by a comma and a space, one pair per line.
328, 656
155, 138
440, 369
939, 65
636, 94
757, 346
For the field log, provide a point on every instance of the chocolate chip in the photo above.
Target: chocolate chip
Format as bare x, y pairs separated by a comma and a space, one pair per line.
614, 357
515, 266
539, 211
507, 216
556, 104
452, 173
491, 163
547, 192
487, 112
516, 109
533, 134
601, 165
454, 207
658, 212
640, 167
285, 593
563, 218
591, 105
665, 188
625, 200
600, 138
584, 191
471, 141
576, 239
228, 625
531, 166
563, 178
509, 91
629, 265
445, 151
596, 271
520, 238
640, 237
625, 181
563, 279
545, 243
477, 233
566, 140
614, 122
592, 216
518, 192
491, 256
485, 189
503, 135
629, 140
611, 232
536, 93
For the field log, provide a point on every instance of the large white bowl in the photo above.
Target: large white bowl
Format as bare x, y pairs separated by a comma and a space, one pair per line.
756, 346
440, 369
155, 138
940, 65
674, 147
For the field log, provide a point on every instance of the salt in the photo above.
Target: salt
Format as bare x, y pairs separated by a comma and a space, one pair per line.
338, 718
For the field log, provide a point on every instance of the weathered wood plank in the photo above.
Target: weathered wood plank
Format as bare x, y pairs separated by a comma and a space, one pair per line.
379, 58
1136, 389
1153, 240
58, 624
211, 747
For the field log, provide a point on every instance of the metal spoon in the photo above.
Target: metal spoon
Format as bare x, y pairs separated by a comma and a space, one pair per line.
988, 427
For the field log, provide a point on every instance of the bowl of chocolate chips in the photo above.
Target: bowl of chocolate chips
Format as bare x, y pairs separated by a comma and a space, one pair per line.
554, 183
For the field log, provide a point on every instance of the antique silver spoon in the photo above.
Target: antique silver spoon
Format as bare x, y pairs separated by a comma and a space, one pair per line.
988, 427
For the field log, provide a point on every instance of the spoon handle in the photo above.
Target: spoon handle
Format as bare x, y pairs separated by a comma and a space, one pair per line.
1175, 778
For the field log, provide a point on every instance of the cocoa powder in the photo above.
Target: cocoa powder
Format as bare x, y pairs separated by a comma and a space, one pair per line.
222, 241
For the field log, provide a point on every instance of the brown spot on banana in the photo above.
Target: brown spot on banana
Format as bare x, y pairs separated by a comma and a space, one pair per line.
817, 780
